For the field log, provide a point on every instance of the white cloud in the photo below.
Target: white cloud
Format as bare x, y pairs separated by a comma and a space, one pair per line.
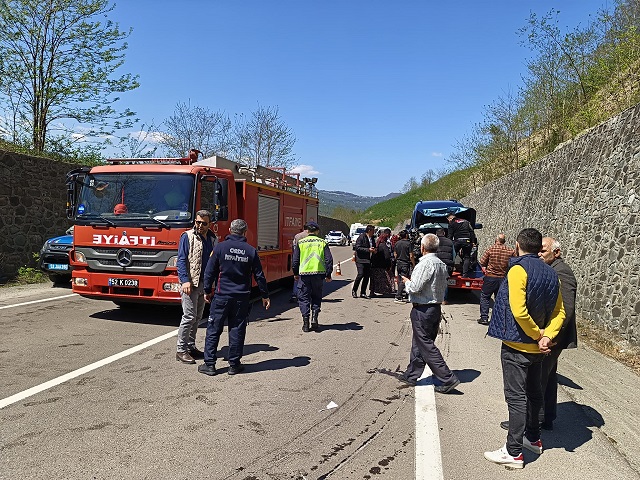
305, 170
436, 154
147, 136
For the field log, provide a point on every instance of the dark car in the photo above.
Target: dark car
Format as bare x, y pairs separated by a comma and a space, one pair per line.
54, 257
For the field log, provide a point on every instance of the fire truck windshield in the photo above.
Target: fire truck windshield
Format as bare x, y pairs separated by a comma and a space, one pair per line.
111, 197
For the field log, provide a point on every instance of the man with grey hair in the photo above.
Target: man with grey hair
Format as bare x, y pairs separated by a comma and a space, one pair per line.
426, 292
232, 264
194, 250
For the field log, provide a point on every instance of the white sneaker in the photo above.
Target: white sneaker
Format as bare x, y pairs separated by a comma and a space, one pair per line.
502, 457
535, 447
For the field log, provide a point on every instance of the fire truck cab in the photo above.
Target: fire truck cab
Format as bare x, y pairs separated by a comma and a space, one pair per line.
130, 213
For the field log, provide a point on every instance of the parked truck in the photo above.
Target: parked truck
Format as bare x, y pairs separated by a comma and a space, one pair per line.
129, 215
429, 216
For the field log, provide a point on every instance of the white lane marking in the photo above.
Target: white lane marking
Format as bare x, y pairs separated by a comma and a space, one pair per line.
81, 371
39, 301
428, 454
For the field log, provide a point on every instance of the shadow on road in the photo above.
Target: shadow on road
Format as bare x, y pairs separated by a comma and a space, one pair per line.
145, 314
277, 364
573, 427
467, 375
567, 382
339, 326
458, 296
248, 349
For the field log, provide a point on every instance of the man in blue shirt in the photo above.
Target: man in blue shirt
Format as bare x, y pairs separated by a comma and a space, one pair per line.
232, 264
193, 253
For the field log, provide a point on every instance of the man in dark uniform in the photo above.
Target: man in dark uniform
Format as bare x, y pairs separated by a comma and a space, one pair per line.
232, 264
463, 236
364, 247
312, 264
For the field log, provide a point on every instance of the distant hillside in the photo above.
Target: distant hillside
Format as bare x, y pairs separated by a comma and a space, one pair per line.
330, 200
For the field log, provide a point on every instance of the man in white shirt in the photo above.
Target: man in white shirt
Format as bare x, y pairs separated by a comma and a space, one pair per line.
426, 289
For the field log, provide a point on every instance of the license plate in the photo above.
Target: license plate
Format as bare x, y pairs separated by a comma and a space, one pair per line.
451, 281
58, 266
123, 282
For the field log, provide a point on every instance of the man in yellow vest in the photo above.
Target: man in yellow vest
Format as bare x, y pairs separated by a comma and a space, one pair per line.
312, 264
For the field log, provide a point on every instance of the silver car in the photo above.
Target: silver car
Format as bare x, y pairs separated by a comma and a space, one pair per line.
336, 237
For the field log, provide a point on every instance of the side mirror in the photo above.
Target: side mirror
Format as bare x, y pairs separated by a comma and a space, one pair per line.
477, 226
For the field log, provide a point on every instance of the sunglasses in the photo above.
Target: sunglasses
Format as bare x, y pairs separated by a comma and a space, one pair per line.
198, 222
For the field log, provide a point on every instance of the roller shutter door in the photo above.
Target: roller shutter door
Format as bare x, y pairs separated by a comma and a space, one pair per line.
268, 222
312, 213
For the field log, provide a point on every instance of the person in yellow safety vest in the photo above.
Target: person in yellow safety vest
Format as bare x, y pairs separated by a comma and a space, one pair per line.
312, 264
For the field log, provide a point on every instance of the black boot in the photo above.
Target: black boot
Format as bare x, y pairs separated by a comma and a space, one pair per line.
305, 324
314, 320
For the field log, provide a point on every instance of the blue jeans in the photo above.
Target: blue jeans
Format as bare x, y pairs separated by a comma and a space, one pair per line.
521, 375
235, 311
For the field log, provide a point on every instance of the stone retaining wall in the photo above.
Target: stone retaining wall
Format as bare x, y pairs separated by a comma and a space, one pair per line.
33, 199
586, 194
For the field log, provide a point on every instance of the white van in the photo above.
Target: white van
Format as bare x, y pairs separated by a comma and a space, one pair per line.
355, 231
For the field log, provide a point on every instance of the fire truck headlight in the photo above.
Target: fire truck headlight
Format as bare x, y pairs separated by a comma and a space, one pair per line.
80, 257
171, 287
173, 262
82, 282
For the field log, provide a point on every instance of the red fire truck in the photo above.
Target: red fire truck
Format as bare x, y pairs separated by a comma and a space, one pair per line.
129, 215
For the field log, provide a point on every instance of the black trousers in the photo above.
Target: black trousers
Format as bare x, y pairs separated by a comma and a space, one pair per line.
425, 320
490, 286
403, 269
364, 273
549, 383
463, 247
521, 375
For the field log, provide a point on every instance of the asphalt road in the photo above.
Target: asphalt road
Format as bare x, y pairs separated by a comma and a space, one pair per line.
142, 415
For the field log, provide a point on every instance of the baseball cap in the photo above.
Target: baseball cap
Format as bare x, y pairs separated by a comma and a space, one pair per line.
312, 225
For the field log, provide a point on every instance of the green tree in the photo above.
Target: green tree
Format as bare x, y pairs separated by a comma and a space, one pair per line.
57, 65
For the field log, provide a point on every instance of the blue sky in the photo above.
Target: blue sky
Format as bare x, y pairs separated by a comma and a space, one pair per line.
375, 91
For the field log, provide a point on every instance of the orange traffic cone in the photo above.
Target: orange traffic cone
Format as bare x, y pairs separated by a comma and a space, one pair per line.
338, 271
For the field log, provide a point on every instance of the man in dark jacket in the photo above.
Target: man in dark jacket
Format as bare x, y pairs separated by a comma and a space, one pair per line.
446, 253
231, 265
464, 238
402, 254
568, 336
527, 315
364, 247
312, 265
